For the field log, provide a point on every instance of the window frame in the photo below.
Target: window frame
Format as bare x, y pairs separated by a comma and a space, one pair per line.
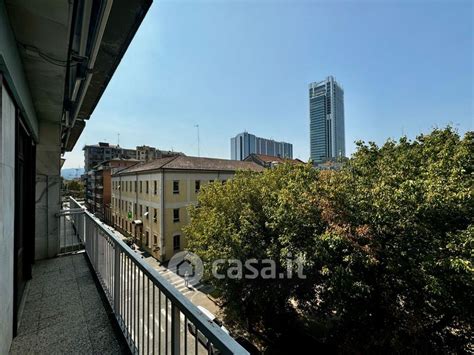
175, 184
176, 237
176, 219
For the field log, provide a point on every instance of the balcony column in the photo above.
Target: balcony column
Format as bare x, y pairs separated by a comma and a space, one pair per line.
48, 185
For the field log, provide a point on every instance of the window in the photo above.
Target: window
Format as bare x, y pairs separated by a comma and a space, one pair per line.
176, 186
176, 215
177, 242
141, 210
154, 215
147, 236
155, 189
141, 187
135, 186
135, 209
197, 185
146, 187
146, 211
155, 239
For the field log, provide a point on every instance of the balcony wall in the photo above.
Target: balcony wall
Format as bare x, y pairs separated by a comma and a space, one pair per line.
7, 203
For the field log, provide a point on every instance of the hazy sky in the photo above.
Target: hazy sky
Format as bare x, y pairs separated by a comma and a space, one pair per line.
231, 66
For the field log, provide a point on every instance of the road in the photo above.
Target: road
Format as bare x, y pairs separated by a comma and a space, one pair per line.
147, 313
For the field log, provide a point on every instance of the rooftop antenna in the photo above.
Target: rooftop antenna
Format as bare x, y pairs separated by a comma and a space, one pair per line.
197, 126
118, 139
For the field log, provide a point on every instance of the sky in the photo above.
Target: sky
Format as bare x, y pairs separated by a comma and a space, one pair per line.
229, 66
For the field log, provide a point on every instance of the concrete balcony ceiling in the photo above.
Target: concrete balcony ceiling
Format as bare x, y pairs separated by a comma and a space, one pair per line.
67, 74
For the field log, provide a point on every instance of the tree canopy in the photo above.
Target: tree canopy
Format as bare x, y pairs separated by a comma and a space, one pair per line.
386, 243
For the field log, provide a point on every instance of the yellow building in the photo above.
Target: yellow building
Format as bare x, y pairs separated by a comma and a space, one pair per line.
150, 200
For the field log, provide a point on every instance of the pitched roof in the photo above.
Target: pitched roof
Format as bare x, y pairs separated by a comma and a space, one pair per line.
193, 163
272, 159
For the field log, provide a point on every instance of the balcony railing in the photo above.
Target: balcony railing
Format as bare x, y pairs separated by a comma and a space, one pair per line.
153, 315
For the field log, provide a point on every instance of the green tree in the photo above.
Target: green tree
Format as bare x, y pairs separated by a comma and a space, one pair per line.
256, 216
387, 245
405, 212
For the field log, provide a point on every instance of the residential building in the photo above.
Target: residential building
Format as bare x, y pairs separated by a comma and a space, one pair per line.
149, 201
326, 115
244, 144
268, 161
146, 153
97, 153
56, 60
98, 186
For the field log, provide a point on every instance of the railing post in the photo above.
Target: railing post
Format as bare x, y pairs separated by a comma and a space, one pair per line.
175, 327
117, 280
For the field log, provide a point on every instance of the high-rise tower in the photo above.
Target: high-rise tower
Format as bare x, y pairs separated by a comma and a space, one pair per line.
326, 115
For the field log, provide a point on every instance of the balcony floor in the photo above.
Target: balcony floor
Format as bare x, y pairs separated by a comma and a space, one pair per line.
64, 312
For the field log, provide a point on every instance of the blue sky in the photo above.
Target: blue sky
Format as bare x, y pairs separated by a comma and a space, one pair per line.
231, 66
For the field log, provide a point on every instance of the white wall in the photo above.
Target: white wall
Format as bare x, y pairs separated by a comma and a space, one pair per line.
7, 208
12, 69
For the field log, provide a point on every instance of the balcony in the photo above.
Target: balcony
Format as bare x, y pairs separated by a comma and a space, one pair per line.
130, 306
64, 311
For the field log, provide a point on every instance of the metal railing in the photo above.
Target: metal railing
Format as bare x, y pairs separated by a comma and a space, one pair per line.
153, 315
71, 227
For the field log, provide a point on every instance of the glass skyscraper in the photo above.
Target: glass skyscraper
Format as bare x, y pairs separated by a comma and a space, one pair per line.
244, 144
326, 115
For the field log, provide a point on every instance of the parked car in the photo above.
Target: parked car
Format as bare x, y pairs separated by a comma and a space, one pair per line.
202, 339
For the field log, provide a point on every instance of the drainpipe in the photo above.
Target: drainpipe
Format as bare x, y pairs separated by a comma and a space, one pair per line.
162, 215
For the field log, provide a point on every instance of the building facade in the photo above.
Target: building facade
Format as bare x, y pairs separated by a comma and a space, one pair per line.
244, 144
98, 186
326, 115
146, 153
149, 201
97, 153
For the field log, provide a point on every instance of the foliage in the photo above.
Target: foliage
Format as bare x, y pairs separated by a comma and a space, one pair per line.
74, 185
73, 188
387, 245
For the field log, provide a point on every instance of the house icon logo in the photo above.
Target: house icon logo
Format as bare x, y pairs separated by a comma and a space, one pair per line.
187, 265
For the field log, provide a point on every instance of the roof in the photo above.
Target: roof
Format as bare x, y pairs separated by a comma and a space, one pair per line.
271, 159
106, 162
193, 163
102, 145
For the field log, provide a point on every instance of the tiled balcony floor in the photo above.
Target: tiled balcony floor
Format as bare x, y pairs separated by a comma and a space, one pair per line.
64, 312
